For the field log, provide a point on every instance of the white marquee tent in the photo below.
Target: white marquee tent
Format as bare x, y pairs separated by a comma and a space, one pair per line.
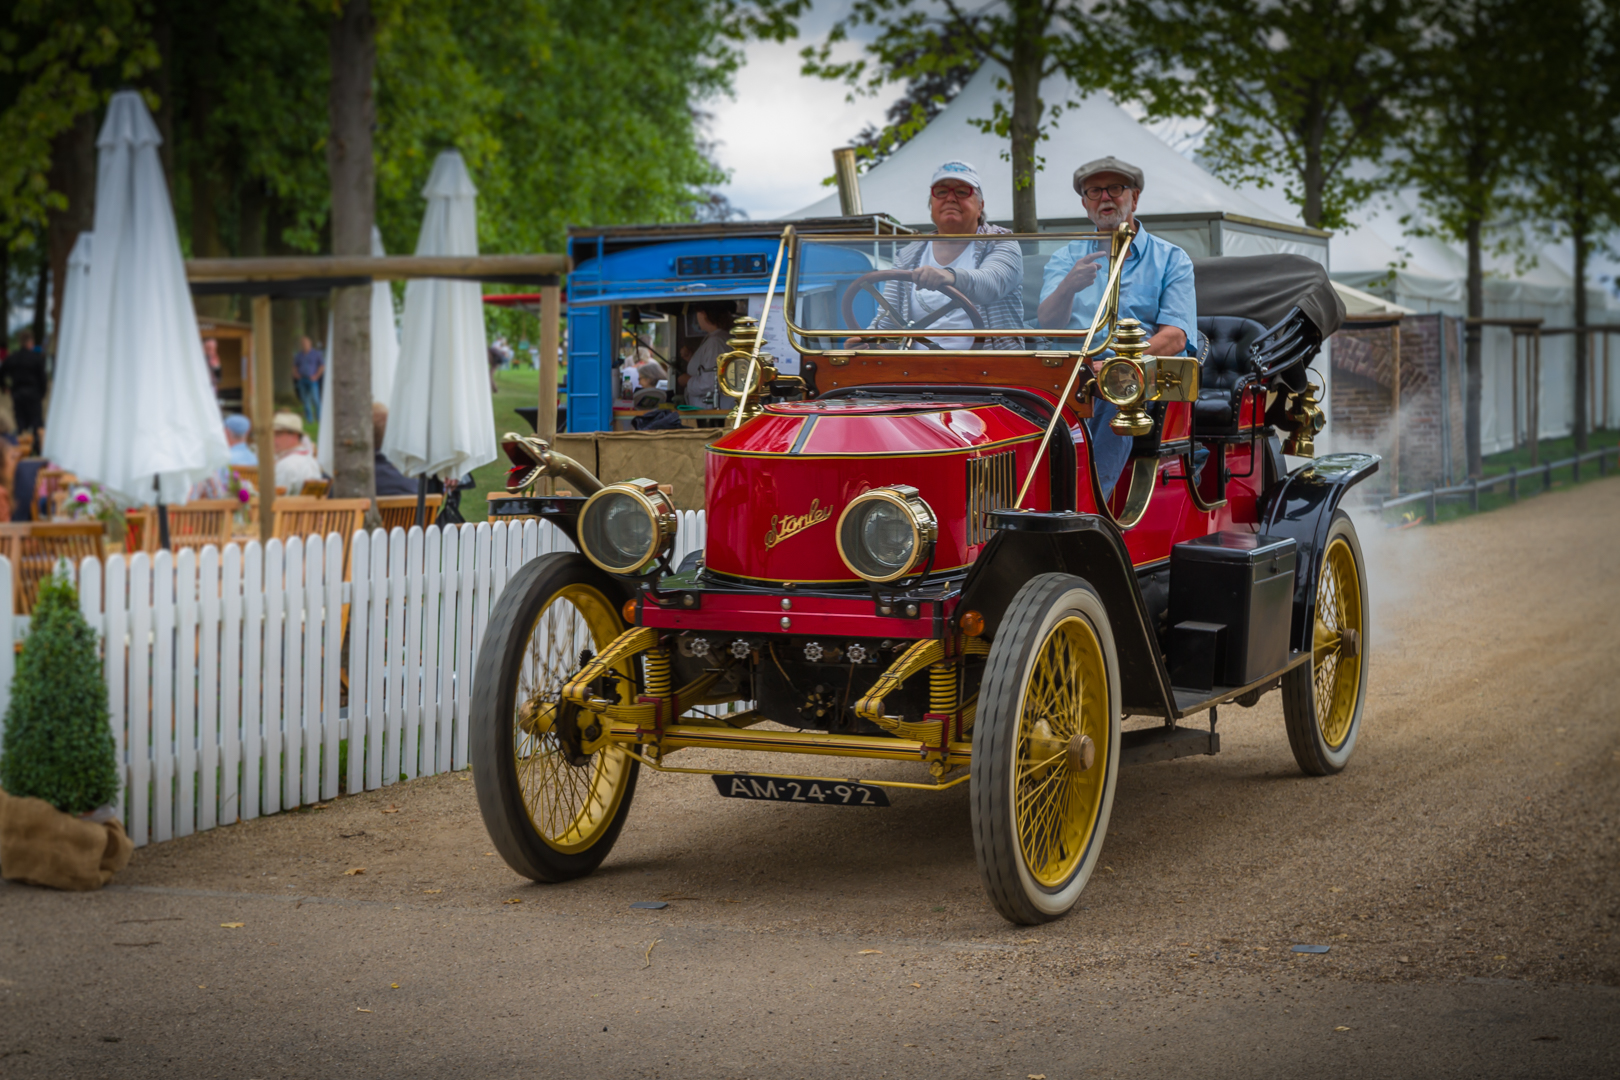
1184, 203
1381, 254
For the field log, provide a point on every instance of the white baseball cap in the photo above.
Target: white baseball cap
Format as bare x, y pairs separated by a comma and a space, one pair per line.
958, 170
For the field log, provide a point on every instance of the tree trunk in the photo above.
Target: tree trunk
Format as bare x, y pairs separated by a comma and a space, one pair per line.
286, 316
1583, 361
42, 292
1028, 57
161, 83
1472, 359
206, 170
352, 48
73, 175
1312, 182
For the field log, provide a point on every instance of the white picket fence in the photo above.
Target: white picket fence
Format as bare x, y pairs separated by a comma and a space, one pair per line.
223, 667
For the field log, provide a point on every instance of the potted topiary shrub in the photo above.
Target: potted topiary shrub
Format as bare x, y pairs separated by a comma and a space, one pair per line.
59, 765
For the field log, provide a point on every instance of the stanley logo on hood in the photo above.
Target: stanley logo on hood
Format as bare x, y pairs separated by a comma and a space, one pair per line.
783, 527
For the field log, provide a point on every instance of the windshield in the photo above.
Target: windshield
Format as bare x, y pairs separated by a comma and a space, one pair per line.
1000, 292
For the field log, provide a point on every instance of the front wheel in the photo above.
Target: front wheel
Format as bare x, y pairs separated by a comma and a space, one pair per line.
1046, 749
1323, 700
552, 815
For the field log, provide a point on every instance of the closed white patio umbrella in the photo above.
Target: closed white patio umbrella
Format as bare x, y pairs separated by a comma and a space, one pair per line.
384, 358
68, 384
133, 400
440, 416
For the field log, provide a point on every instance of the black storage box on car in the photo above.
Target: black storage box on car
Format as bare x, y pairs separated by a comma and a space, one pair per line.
1231, 605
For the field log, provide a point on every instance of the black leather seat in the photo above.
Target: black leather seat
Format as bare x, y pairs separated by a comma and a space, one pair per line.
1229, 359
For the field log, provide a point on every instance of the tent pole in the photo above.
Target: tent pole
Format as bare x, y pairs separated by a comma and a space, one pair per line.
1514, 353
1395, 412
264, 407
550, 337
1535, 396
421, 501
1445, 408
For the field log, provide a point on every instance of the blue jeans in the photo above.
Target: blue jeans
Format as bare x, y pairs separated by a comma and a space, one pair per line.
1109, 449
309, 392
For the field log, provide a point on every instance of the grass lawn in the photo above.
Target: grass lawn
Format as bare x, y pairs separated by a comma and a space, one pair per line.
515, 387
1503, 463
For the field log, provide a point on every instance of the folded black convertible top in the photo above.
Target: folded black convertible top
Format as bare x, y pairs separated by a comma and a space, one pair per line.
1266, 288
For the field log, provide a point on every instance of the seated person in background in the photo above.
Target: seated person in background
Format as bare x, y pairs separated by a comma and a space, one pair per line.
1155, 288
989, 273
237, 430
390, 481
701, 383
650, 385
295, 457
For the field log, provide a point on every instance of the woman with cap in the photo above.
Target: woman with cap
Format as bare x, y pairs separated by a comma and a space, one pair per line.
990, 273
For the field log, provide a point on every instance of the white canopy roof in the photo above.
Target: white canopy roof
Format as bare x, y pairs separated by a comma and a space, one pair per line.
1097, 128
133, 400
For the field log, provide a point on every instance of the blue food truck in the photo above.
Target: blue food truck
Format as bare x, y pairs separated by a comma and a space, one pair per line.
631, 295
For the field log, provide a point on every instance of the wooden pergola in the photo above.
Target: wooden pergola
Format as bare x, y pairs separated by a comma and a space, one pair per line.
302, 276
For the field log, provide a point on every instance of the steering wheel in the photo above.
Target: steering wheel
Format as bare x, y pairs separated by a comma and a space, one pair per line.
868, 283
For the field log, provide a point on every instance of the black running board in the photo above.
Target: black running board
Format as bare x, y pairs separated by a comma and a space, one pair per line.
1165, 744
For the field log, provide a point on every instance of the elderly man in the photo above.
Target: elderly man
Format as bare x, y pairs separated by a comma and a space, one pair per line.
295, 457
237, 430
1156, 289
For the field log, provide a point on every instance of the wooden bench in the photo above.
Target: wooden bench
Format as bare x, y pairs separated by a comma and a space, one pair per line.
36, 547
399, 511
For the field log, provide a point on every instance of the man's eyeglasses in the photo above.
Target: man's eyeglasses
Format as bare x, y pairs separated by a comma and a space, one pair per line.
1113, 191
952, 191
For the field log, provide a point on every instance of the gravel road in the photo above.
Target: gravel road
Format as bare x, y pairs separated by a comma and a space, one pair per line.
1464, 870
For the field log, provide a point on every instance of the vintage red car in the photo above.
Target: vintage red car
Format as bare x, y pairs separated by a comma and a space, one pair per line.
910, 557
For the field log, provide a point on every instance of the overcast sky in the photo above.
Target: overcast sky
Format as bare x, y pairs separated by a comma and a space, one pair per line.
778, 134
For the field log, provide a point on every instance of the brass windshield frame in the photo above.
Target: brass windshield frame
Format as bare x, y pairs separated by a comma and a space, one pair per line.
1107, 311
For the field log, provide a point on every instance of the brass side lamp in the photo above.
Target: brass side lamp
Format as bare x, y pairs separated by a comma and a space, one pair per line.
1305, 411
1130, 379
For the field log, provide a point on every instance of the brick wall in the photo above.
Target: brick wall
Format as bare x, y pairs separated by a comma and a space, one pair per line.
1361, 413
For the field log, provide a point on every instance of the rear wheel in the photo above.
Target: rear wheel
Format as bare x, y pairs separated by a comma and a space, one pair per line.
1046, 746
1322, 700
552, 813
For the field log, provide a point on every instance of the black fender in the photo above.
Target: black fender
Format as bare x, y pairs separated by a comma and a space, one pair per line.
561, 510
1301, 505
1025, 544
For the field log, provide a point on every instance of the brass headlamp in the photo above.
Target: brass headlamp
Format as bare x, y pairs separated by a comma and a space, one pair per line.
1131, 379
625, 526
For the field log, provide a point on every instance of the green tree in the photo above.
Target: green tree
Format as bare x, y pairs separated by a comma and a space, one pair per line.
1575, 167
60, 60
1463, 141
58, 745
1298, 87
1030, 39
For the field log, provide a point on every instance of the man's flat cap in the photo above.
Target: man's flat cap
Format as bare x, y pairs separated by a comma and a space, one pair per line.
1102, 165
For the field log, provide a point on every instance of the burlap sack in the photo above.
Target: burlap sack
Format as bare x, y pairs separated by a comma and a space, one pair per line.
676, 458
40, 845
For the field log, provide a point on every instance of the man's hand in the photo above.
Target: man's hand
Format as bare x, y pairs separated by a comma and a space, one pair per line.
1056, 309
933, 278
1083, 273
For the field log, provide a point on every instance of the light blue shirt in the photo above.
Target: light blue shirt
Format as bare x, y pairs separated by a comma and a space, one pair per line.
1156, 288
242, 454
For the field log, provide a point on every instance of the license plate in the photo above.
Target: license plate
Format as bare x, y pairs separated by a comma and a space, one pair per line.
822, 792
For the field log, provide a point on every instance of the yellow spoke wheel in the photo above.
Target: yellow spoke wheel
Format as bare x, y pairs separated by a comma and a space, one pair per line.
1045, 749
1322, 700
551, 813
